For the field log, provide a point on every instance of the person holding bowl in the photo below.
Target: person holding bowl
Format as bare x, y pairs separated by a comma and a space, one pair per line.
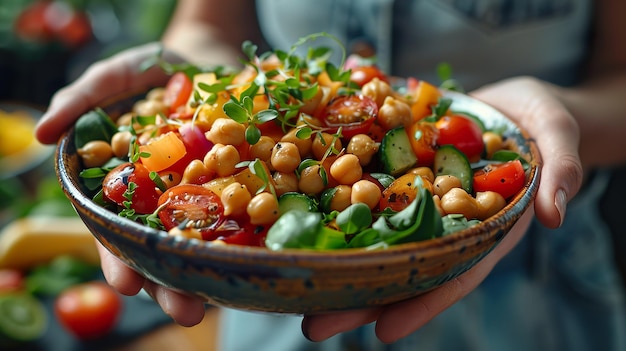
557, 68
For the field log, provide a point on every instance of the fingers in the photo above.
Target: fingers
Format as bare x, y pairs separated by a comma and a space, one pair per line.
184, 309
125, 280
323, 326
399, 320
101, 81
533, 106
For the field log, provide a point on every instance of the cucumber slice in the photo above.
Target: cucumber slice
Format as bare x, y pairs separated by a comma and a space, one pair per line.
396, 153
451, 161
22, 318
296, 201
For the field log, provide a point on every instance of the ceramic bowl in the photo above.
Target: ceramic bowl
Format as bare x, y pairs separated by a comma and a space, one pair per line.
299, 281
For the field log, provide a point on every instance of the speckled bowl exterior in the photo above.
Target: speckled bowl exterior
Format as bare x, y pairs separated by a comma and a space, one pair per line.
299, 281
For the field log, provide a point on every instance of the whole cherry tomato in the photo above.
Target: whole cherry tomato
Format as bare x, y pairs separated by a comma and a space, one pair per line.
354, 114
364, 74
506, 178
88, 310
463, 133
177, 91
145, 195
423, 137
195, 205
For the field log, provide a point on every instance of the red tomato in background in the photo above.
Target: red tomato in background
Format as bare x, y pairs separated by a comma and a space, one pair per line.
355, 114
146, 194
463, 133
506, 178
423, 137
45, 21
89, 310
364, 74
195, 204
177, 91
11, 280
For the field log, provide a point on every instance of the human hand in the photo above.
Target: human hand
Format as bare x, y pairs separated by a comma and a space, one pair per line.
535, 106
101, 81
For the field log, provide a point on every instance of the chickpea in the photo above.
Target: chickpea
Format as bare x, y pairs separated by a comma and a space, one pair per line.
363, 147
322, 142
304, 145
365, 191
188, 233
170, 178
95, 153
262, 149
425, 172
120, 143
263, 209
195, 173
444, 183
222, 159
346, 169
489, 203
156, 94
394, 113
377, 90
341, 198
226, 131
285, 182
149, 107
285, 157
458, 201
493, 142
311, 182
125, 119
235, 198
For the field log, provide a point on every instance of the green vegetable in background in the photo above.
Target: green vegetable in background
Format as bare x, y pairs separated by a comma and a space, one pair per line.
22, 319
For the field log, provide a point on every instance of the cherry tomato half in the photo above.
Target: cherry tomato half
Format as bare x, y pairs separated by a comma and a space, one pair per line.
364, 74
353, 113
145, 195
177, 91
504, 178
463, 133
89, 310
195, 205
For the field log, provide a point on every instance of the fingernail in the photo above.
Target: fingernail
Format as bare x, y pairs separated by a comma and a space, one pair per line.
560, 202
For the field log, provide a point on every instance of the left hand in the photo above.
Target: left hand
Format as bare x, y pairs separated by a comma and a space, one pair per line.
531, 104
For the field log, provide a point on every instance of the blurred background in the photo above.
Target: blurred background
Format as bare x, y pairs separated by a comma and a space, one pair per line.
44, 247
46, 43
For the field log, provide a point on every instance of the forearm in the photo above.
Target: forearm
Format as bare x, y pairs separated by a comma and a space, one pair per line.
210, 32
